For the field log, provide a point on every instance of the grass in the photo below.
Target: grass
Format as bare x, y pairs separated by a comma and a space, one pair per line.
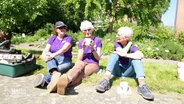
160, 77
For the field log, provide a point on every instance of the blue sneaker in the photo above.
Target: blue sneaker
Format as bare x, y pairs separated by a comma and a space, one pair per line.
103, 86
145, 92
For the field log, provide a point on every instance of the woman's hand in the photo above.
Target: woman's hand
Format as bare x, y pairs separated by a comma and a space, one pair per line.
91, 45
122, 54
47, 57
83, 44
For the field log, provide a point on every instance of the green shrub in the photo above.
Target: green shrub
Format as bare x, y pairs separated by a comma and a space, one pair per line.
181, 38
158, 47
76, 37
167, 49
17, 38
171, 50
161, 32
41, 33
148, 47
50, 28
108, 43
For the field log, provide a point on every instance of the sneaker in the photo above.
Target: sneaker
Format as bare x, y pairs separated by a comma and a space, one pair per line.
62, 84
103, 86
145, 92
38, 81
52, 86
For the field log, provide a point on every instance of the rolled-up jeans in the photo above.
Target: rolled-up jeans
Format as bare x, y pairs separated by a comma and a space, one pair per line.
133, 69
61, 63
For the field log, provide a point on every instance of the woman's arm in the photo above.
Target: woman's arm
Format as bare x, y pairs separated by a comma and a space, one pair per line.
96, 53
123, 51
81, 51
136, 55
44, 55
65, 48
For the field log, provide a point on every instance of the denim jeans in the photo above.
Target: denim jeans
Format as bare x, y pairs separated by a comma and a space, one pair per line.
61, 63
133, 69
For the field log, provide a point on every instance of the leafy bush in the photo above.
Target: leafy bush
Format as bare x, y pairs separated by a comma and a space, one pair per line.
162, 33
75, 36
161, 49
181, 38
108, 43
50, 28
171, 50
41, 33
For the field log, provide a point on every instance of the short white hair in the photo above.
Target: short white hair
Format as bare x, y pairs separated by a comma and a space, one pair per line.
125, 31
86, 25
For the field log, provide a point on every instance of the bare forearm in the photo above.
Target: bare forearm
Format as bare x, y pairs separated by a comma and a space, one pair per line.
80, 54
136, 55
96, 55
65, 48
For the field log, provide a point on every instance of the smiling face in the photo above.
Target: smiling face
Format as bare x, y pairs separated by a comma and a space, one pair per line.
61, 31
124, 34
122, 38
87, 28
88, 32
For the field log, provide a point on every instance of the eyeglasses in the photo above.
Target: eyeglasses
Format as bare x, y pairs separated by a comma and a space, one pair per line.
87, 30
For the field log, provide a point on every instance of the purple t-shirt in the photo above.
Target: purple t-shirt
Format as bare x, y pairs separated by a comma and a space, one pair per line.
57, 44
124, 60
88, 55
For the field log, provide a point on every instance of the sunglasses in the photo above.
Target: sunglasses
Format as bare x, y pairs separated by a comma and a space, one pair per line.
62, 27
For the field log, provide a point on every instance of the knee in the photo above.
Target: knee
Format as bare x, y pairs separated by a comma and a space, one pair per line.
136, 61
79, 63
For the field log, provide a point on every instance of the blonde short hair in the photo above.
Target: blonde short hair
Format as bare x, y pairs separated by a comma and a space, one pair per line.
126, 31
86, 25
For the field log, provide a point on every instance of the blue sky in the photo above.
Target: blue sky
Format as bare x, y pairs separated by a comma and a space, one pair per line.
168, 18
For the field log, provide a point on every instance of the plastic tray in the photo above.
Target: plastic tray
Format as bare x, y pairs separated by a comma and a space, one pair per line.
18, 69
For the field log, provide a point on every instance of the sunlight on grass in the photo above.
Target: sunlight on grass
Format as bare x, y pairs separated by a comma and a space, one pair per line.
162, 77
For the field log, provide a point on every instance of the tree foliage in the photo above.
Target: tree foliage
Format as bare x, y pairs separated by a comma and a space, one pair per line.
16, 15
147, 13
28, 16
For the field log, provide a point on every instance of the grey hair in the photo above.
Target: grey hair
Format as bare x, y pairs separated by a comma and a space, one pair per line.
86, 25
126, 31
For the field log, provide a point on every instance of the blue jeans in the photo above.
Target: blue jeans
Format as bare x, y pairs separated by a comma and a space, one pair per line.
61, 63
133, 69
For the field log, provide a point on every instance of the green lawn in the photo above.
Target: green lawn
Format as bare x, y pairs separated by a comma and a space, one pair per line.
160, 77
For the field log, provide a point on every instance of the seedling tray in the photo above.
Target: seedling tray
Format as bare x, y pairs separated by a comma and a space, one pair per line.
19, 68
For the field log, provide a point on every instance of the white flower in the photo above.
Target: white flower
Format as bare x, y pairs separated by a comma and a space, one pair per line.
108, 39
167, 51
149, 48
157, 49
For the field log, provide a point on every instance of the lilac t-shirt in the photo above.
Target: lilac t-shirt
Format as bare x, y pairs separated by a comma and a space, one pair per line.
57, 44
88, 55
124, 60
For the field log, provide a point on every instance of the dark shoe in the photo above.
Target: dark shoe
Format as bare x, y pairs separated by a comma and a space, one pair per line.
145, 92
38, 81
52, 86
103, 86
62, 84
